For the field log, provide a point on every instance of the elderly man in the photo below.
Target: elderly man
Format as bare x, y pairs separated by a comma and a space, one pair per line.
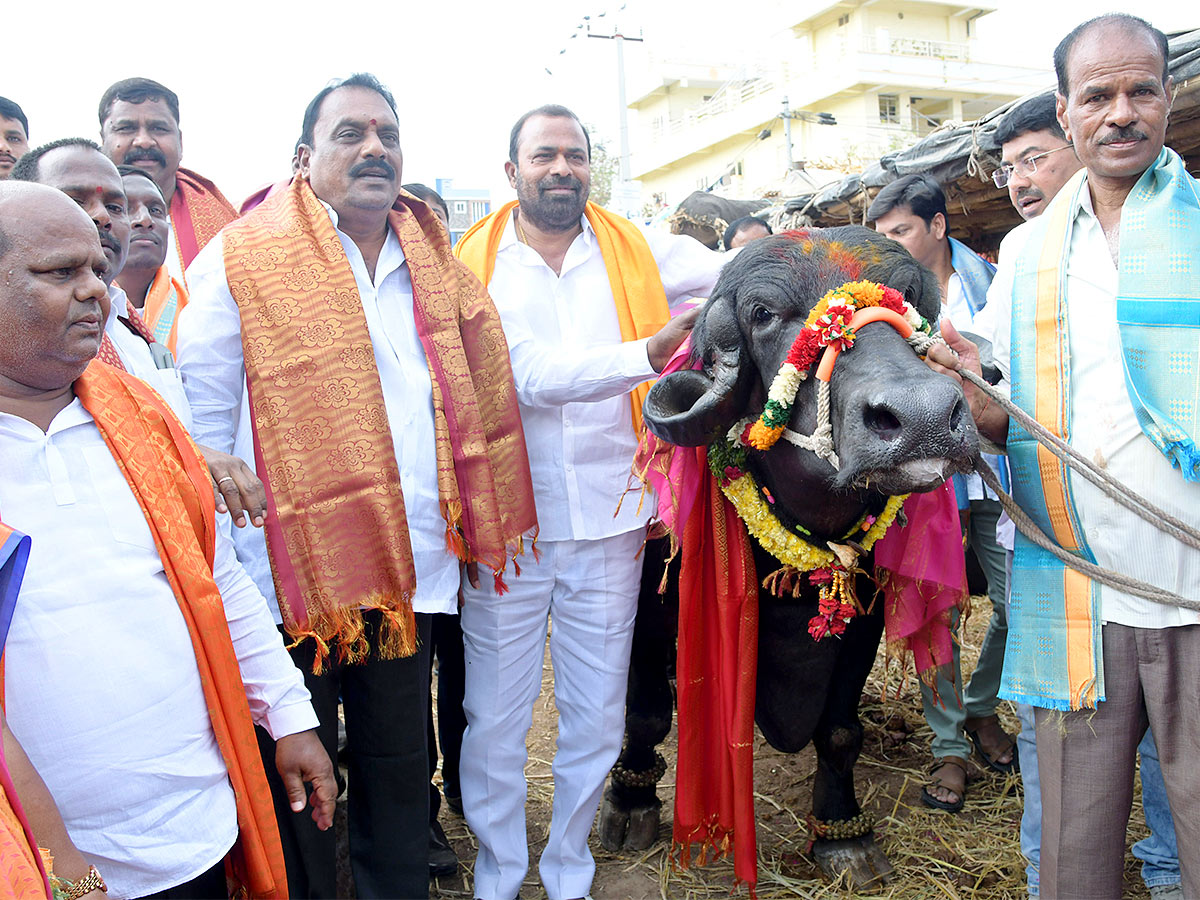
1033, 167
139, 126
145, 278
1111, 307
14, 135
912, 210
585, 297
78, 168
138, 711
332, 338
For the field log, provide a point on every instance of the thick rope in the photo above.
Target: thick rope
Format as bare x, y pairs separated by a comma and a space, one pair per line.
1111, 488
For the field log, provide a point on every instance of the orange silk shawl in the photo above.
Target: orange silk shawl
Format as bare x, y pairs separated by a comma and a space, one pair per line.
637, 288
172, 486
337, 533
198, 211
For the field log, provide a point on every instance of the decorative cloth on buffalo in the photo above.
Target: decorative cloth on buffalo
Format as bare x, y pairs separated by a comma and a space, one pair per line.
637, 289
718, 624
337, 532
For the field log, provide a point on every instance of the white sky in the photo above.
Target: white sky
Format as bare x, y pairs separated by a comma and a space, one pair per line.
462, 70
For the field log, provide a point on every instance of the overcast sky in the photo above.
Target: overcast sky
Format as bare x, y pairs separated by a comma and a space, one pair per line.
462, 70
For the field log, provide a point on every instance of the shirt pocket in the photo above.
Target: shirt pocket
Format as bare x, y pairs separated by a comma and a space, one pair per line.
115, 497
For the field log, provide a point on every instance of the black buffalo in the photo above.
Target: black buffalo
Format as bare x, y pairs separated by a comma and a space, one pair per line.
897, 426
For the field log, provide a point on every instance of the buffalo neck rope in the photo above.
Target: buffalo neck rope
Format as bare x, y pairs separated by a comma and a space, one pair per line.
831, 328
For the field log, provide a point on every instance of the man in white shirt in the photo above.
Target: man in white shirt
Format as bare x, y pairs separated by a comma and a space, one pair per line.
1100, 664
554, 264
345, 369
129, 680
912, 210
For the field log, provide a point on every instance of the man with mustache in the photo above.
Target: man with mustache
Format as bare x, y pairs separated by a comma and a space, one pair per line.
146, 280
1101, 351
585, 297
14, 135
139, 126
140, 655
333, 339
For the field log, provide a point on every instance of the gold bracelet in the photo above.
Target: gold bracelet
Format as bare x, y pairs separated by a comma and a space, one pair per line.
85, 885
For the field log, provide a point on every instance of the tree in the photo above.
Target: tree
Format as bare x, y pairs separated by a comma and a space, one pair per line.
605, 172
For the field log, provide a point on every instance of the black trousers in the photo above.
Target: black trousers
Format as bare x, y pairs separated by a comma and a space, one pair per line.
447, 646
385, 703
208, 885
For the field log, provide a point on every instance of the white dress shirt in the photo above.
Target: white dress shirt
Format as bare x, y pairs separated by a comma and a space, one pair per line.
573, 374
1104, 428
137, 359
101, 685
210, 358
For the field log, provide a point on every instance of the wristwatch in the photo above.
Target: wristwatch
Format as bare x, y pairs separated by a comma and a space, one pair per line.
85, 885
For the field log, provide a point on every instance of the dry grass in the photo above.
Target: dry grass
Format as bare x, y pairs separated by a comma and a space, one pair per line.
973, 855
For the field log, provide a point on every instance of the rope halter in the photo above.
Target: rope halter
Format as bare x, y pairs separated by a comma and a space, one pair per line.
831, 328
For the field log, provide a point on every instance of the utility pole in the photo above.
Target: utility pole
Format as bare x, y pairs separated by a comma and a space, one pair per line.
620, 39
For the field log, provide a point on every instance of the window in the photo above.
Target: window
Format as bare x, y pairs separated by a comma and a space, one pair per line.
843, 20
889, 109
460, 207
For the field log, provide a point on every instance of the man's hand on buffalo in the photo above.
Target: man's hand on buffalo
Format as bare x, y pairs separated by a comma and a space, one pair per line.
663, 345
959, 353
236, 489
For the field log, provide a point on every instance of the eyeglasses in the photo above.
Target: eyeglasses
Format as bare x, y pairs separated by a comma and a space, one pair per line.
1026, 166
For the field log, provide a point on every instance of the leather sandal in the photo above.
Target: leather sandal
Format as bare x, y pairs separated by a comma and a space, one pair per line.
937, 781
1013, 765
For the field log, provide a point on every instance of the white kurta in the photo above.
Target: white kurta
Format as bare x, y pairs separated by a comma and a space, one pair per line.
210, 358
573, 373
1104, 428
101, 683
137, 359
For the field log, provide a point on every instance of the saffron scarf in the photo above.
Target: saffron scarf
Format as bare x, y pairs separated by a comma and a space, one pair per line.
198, 212
171, 484
165, 300
337, 533
1054, 638
637, 288
22, 873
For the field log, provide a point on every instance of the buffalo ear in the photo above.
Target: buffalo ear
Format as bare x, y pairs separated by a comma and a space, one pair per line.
690, 408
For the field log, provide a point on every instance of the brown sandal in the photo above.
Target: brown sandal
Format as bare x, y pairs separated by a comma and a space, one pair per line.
937, 781
973, 728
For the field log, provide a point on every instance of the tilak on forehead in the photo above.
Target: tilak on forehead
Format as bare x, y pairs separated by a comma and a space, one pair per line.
373, 122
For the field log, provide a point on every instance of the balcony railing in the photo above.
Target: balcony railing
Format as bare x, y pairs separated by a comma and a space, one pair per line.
907, 46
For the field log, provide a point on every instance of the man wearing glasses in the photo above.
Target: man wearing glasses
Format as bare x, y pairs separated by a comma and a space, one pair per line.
1032, 164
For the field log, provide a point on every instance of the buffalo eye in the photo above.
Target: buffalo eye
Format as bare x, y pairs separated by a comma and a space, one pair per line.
761, 315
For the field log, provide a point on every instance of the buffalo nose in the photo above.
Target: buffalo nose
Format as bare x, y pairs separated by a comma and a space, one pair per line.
889, 415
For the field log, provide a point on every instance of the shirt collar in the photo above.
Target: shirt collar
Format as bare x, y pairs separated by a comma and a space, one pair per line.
390, 258
509, 237
118, 304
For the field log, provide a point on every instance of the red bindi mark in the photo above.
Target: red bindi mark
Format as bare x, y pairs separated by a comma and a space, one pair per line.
99, 190
372, 121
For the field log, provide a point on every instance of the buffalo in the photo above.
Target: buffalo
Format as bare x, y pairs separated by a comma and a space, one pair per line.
897, 428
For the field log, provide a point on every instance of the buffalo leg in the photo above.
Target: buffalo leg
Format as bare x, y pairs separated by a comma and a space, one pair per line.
629, 815
838, 741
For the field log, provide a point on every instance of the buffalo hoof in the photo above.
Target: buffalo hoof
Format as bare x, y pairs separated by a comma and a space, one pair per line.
632, 828
859, 860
